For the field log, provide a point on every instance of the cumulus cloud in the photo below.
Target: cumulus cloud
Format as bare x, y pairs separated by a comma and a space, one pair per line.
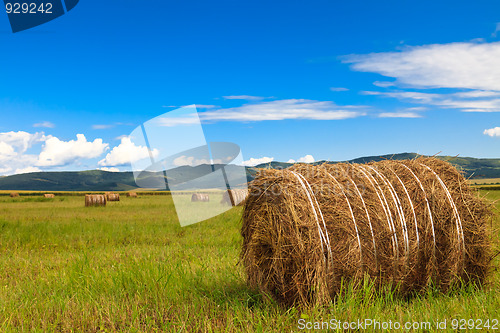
27, 170
112, 169
492, 132
22, 141
305, 159
46, 124
58, 153
125, 153
192, 161
257, 161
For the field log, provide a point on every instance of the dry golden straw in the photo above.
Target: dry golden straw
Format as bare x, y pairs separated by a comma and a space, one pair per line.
234, 197
405, 224
132, 194
110, 196
14, 195
200, 197
95, 200
49, 196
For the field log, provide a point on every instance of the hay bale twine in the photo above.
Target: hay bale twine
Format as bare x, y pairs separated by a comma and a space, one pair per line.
234, 197
49, 196
200, 197
132, 194
92, 200
110, 196
14, 195
405, 224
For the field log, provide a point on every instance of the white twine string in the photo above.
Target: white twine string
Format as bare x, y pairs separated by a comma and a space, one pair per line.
399, 208
460, 232
352, 214
367, 216
428, 206
324, 238
412, 207
385, 207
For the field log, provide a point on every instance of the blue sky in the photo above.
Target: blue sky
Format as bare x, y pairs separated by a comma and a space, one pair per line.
283, 79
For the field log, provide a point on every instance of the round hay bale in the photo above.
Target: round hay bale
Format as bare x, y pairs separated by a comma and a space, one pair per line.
49, 196
234, 197
405, 224
92, 200
132, 194
14, 195
200, 197
112, 196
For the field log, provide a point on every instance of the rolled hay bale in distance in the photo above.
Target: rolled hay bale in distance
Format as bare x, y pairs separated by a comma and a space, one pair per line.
200, 197
92, 200
110, 196
234, 197
49, 196
406, 225
14, 195
132, 194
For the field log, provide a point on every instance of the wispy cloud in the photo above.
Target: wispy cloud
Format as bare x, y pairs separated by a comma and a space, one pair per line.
400, 115
455, 65
245, 97
102, 126
497, 29
273, 110
338, 89
46, 124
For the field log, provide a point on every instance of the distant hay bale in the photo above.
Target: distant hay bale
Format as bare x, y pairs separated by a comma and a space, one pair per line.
234, 197
200, 197
132, 194
14, 195
110, 196
49, 196
406, 225
95, 200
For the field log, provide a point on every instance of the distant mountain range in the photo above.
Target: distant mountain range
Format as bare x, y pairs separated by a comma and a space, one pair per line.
97, 180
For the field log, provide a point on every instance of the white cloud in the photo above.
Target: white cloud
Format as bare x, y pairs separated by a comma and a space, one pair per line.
46, 124
492, 132
125, 153
102, 127
22, 141
6, 151
112, 169
305, 159
273, 110
383, 84
245, 97
57, 153
497, 29
257, 161
27, 170
399, 115
338, 89
454, 65
192, 161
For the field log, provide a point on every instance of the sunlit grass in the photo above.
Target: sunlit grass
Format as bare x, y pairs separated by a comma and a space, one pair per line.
131, 267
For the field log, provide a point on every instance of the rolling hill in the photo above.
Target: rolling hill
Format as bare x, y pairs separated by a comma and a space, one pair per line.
97, 180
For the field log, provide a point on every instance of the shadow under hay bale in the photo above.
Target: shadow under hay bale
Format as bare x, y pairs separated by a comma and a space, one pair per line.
200, 197
234, 197
93, 200
405, 224
49, 196
110, 196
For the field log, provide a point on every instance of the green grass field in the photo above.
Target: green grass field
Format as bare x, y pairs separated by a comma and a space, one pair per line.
130, 267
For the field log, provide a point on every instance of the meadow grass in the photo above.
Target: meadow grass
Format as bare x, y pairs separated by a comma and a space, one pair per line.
130, 267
